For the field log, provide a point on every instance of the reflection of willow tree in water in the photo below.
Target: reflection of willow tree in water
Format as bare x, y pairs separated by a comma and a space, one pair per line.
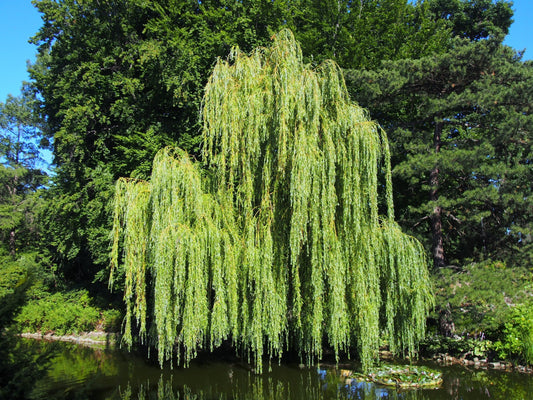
256, 388
278, 242
461, 384
259, 388
84, 373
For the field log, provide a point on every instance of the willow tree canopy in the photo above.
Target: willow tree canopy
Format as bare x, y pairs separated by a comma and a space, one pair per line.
275, 241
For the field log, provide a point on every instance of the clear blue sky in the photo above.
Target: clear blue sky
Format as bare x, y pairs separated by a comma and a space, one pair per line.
20, 20
521, 33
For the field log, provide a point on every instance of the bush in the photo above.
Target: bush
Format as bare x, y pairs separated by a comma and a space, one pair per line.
112, 320
479, 297
517, 335
457, 346
14, 280
64, 313
20, 278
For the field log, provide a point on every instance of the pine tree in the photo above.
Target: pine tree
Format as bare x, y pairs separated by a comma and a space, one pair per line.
20, 176
461, 126
276, 240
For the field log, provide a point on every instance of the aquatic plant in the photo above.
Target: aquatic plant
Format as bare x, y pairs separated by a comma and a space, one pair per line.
402, 376
275, 241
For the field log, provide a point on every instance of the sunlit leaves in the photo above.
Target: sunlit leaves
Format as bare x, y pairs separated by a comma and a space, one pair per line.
280, 243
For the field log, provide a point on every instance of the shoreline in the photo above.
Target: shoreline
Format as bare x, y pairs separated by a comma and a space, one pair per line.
111, 340
479, 363
96, 338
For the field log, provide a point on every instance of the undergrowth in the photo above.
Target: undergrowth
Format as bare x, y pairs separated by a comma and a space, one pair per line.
66, 313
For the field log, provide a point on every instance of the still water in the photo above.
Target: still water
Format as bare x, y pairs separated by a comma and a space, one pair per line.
53, 370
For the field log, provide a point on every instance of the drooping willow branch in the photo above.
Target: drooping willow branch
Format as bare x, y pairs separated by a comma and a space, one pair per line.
278, 241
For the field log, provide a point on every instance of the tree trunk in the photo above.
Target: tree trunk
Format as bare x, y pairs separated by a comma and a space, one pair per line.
13, 193
436, 217
12, 244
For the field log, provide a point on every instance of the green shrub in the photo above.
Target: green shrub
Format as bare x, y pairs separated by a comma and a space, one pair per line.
111, 320
517, 335
457, 346
63, 313
479, 296
20, 278
14, 280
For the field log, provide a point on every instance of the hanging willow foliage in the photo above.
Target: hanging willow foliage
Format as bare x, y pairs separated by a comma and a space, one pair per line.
279, 244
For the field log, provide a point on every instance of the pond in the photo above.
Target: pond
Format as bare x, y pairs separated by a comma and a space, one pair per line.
55, 370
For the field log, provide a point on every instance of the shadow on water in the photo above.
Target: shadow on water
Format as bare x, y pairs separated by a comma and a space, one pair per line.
46, 370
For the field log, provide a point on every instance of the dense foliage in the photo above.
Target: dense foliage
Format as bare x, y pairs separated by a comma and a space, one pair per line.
117, 81
481, 297
283, 245
460, 124
65, 313
20, 175
120, 80
517, 335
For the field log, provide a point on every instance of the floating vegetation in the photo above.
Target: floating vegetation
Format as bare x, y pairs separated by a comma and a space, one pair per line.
402, 376
275, 240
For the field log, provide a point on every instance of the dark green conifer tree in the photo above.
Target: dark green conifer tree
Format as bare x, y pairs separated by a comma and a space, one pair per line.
20, 175
461, 129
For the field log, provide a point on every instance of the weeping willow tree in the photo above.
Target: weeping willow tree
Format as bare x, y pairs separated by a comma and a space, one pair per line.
276, 241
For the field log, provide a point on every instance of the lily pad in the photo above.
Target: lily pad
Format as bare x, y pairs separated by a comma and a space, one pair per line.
402, 376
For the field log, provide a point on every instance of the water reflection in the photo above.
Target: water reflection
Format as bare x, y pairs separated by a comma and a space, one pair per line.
267, 389
40, 370
73, 371
462, 383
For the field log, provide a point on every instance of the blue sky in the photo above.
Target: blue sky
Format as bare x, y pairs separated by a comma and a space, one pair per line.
20, 20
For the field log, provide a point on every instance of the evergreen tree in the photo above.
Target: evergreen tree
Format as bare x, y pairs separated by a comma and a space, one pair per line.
473, 19
19, 133
120, 80
21, 185
360, 34
461, 127
19, 176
